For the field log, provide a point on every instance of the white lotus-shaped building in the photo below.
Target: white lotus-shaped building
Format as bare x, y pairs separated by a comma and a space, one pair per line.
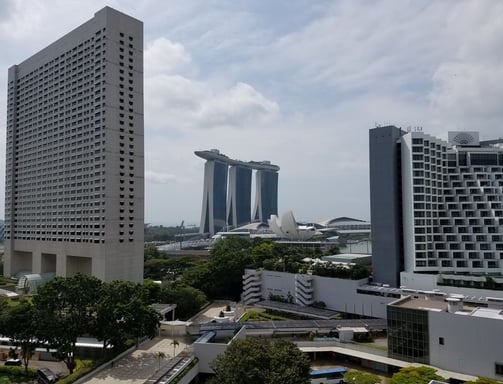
287, 227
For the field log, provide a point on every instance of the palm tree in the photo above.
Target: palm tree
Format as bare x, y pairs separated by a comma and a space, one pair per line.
174, 343
160, 355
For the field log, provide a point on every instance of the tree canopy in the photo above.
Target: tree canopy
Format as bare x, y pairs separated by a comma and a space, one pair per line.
18, 323
67, 308
415, 375
253, 360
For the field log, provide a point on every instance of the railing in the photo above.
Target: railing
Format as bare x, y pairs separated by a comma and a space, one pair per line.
331, 342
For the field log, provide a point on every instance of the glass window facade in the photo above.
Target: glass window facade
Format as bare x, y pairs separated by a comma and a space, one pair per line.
408, 335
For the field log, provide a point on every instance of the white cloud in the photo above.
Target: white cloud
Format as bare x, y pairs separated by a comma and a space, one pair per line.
239, 106
159, 178
163, 56
265, 81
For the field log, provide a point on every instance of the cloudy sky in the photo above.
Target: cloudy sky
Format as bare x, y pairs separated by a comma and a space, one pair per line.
296, 82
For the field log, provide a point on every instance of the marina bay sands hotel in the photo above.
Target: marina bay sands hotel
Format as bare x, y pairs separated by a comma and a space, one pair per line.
227, 192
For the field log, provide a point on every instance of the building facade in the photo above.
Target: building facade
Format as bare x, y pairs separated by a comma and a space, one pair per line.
437, 206
266, 196
74, 194
446, 332
239, 199
213, 214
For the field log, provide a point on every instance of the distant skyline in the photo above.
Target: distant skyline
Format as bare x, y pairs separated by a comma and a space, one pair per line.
296, 82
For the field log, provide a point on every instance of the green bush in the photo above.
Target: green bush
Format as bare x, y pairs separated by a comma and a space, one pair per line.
260, 316
82, 368
18, 374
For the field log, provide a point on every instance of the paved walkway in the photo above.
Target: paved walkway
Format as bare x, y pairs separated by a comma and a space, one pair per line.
139, 365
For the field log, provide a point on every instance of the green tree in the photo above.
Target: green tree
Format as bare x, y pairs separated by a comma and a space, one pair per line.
123, 311
415, 375
356, 377
150, 252
252, 360
65, 309
175, 343
228, 259
112, 312
17, 323
160, 355
188, 300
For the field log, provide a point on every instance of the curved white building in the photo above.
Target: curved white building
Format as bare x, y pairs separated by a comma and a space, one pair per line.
287, 228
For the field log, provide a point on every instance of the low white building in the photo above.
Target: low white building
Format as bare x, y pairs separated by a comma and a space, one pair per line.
444, 331
342, 295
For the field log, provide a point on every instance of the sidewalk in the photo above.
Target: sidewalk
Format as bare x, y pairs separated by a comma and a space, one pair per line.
140, 364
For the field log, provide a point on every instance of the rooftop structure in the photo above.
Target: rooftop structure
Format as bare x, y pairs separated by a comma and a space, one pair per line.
74, 159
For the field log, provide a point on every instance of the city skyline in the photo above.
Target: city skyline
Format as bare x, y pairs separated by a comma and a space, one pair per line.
297, 83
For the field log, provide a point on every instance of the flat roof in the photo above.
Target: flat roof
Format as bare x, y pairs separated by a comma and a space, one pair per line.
387, 360
297, 309
441, 304
285, 325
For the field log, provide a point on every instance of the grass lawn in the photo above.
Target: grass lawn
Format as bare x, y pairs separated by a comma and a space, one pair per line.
260, 316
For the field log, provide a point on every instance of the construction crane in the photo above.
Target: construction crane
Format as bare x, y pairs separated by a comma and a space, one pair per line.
181, 233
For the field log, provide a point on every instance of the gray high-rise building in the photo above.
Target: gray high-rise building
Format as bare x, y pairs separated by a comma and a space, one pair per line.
213, 214
229, 180
266, 196
437, 207
239, 197
74, 199
386, 204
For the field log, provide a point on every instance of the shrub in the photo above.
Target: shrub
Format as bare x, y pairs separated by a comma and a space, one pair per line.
18, 374
82, 368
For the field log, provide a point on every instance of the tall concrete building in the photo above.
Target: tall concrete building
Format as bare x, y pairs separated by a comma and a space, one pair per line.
266, 195
239, 198
437, 207
74, 199
227, 192
213, 213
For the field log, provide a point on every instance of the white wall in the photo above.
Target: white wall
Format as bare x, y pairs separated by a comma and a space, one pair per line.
472, 345
338, 294
408, 203
277, 283
206, 353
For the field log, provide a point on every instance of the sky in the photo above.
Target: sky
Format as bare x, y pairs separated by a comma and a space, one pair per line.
295, 82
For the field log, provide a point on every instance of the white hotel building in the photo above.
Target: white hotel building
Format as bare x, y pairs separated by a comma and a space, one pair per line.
74, 199
437, 208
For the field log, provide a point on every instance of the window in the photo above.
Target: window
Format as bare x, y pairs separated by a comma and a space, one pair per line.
499, 368
441, 340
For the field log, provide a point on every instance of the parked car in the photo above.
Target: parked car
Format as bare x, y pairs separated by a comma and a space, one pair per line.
13, 362
46, 376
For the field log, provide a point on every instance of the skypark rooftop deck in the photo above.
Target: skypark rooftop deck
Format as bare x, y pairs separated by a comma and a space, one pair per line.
214, 154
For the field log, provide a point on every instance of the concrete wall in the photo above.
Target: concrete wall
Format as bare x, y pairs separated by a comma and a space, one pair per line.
341, 295
472, 345
277, 283
338, 294
206, 353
